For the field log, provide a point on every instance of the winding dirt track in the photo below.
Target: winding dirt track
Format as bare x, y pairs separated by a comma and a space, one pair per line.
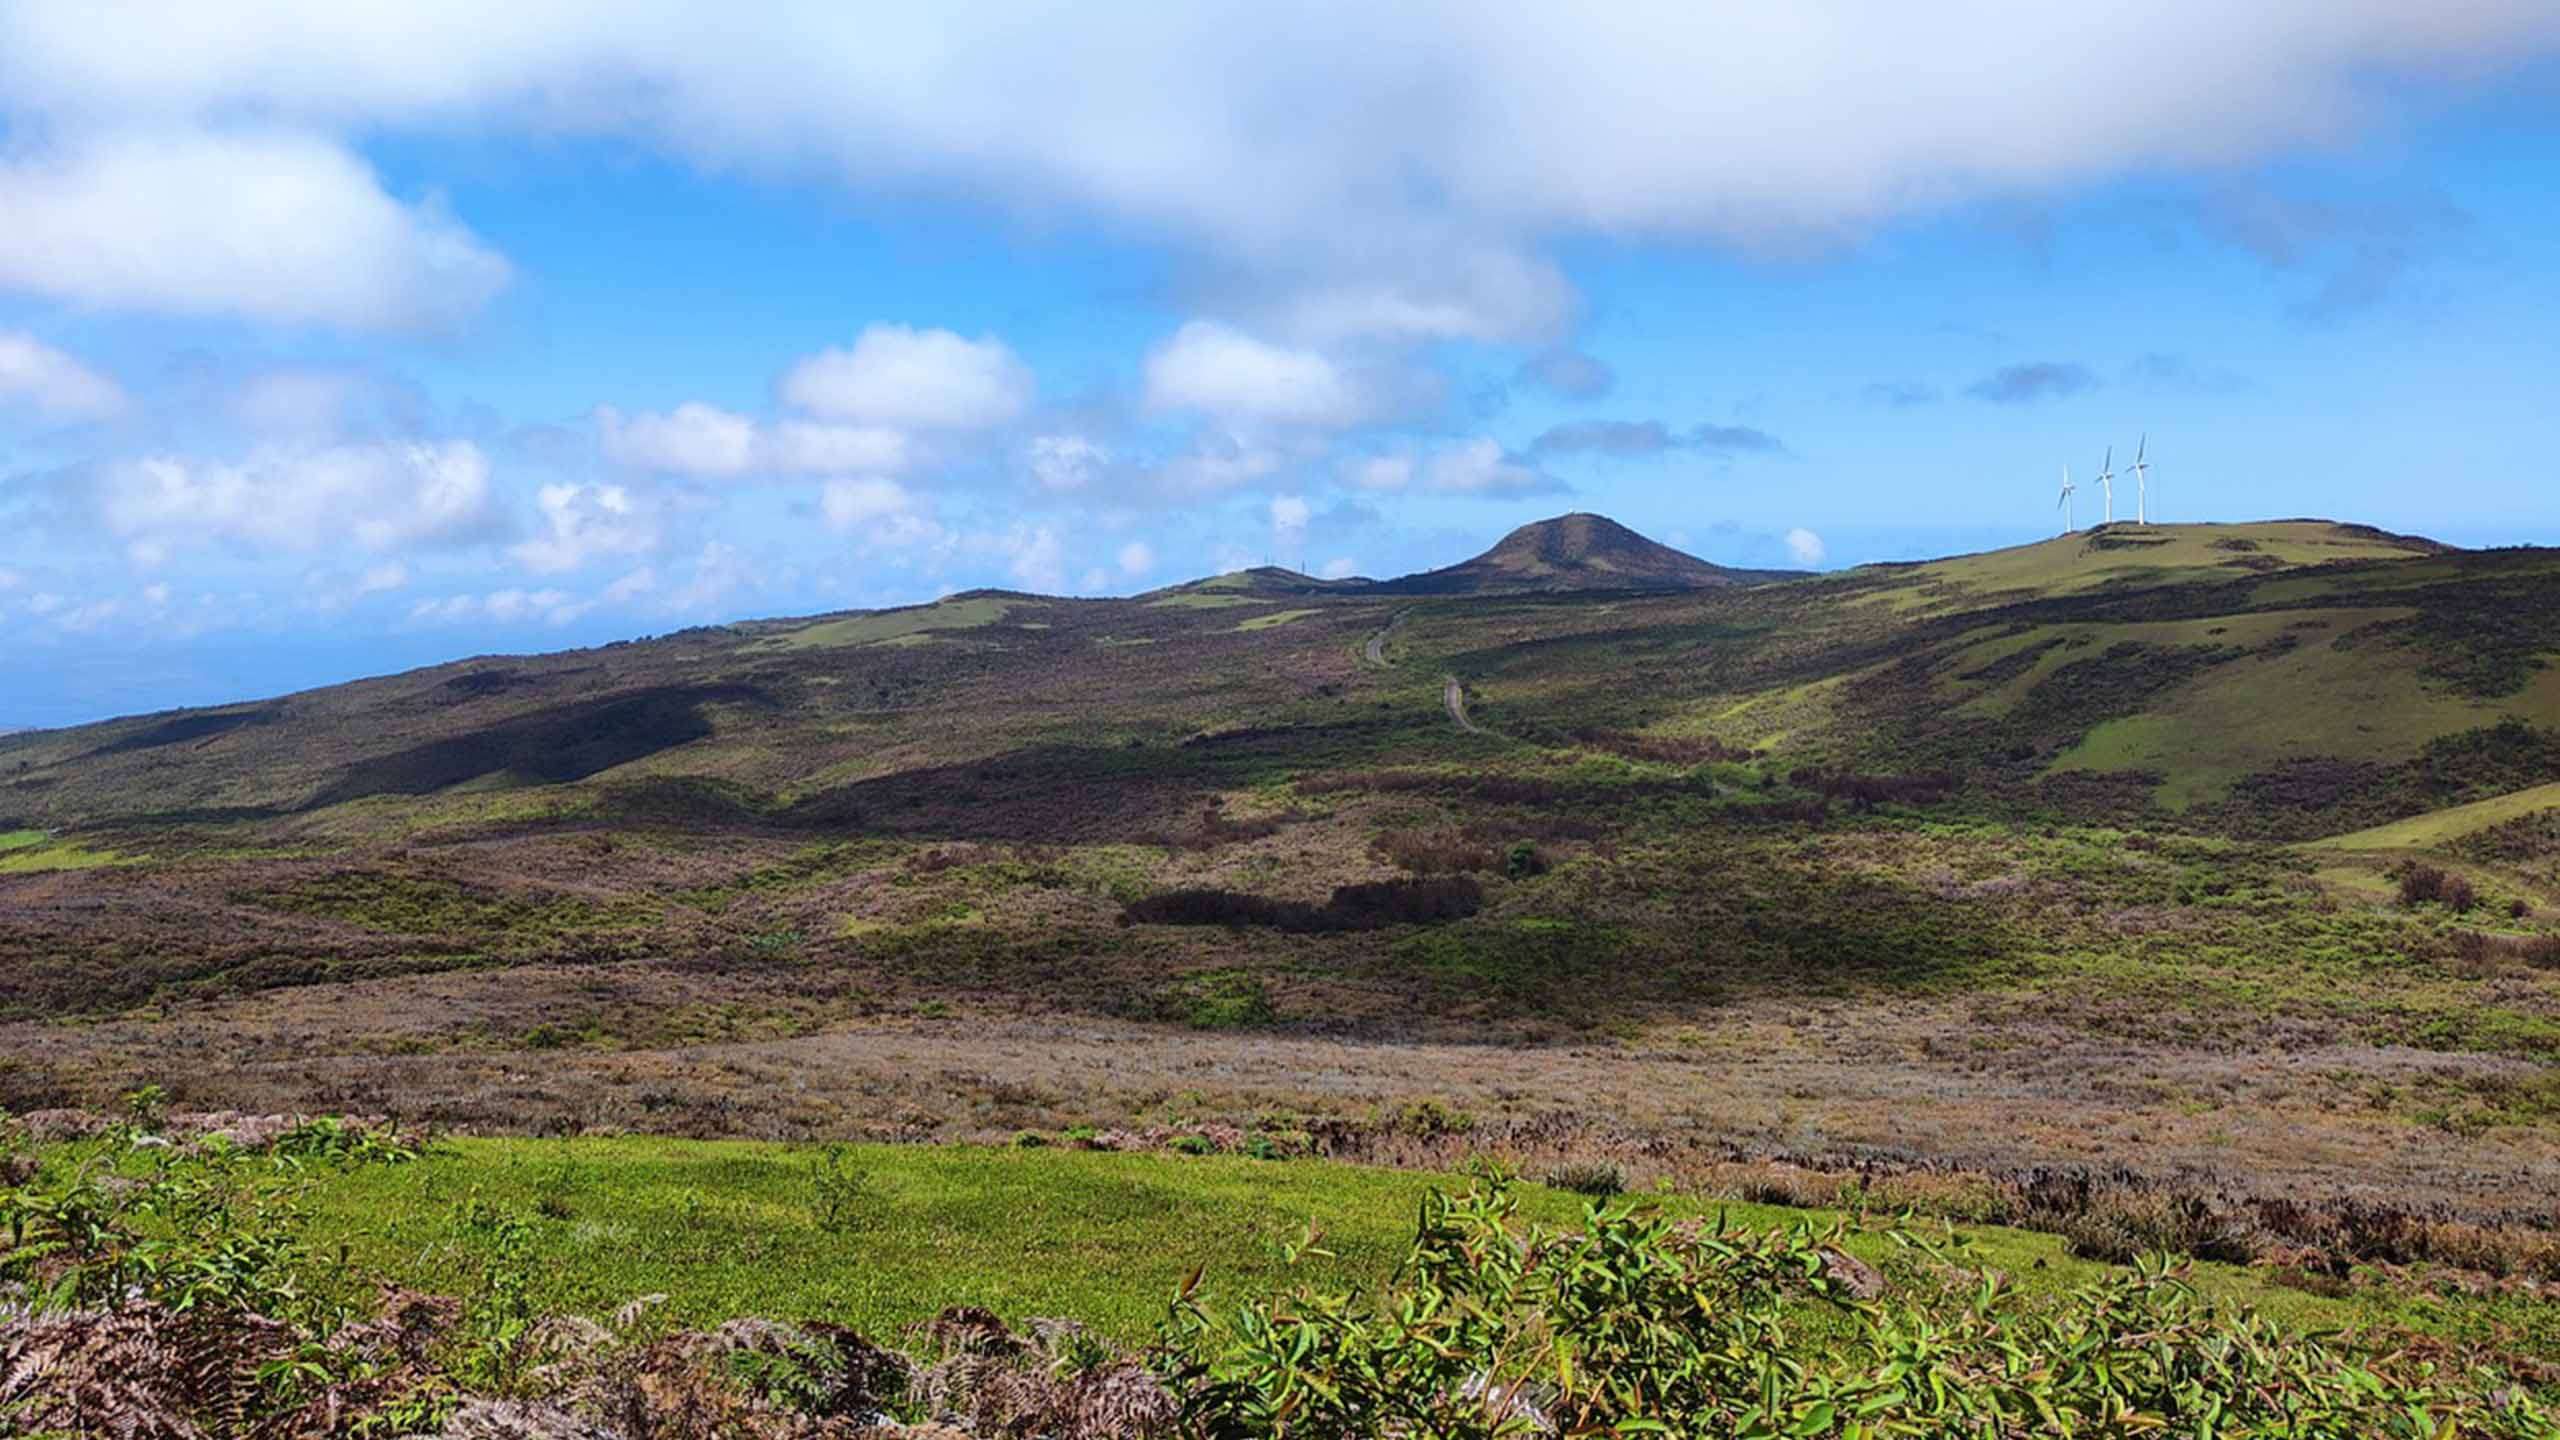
1455, 695
1377, 647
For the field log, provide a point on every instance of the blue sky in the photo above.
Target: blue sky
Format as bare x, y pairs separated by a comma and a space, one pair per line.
339, 339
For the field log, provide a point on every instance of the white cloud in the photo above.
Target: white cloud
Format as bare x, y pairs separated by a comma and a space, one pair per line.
1063, 463
810, 448
295, 402
506, 607
1340, 567
926, 379
719, 572
1479, 467
692, 439
708, 442
1218, 463
34, 373
267, 224
1289, 516
583, 523
882, 515
374, 497
1208, 367
1805, 547
1379, 472
1334, 150
1136, 559
382, 577
1037, 557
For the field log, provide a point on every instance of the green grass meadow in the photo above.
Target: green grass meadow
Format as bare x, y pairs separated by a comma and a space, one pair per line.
726, 1228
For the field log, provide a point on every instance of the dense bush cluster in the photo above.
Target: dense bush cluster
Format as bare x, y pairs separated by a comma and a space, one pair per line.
2423, 884
1865, 792
1454, 852
2527, 837
1372, 906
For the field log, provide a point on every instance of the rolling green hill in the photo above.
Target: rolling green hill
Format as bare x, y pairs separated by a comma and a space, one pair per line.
2038, 814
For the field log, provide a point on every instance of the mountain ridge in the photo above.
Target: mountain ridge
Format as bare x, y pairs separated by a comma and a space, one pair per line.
1577, 551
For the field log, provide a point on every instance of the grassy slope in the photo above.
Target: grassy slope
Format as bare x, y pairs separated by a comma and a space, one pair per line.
726, 1228
897, 626
2126, 555
2444, 826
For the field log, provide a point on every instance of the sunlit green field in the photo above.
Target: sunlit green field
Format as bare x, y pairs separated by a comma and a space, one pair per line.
726, 1228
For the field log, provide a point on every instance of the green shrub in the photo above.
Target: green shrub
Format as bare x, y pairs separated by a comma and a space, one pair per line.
841, 1199
1219, 1000
1632, 1324
1596, 1178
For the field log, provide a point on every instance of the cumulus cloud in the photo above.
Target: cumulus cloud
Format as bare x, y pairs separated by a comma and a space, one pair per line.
1289, 517
1218, 463
2031, 381
1036, 556
1211, 368
374, 497
880, 514
1805, 548
1378, 472
267, 224
1137, 558
720, 573
1064, 463
707, 442
35, 374
924, 379
1480, 467
585, 523
296, 402
692, 439
1340, 567
1250, 131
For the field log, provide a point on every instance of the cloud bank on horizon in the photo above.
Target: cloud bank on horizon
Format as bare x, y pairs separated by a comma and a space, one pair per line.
479, 322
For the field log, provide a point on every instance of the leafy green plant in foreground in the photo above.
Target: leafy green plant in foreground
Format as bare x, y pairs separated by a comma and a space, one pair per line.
1638, 1325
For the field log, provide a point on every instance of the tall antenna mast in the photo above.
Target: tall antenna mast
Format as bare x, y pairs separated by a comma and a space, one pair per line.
2142, 480
2064, 503
2107, 482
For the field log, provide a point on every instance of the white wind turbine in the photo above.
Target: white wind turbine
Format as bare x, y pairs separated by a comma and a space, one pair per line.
2063, 503
2142, 481
2107, 482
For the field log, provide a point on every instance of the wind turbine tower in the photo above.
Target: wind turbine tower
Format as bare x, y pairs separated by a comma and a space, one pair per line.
2063, 504
2107, 482
2142, 481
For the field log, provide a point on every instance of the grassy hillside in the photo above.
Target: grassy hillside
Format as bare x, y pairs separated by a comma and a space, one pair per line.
1863, 860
